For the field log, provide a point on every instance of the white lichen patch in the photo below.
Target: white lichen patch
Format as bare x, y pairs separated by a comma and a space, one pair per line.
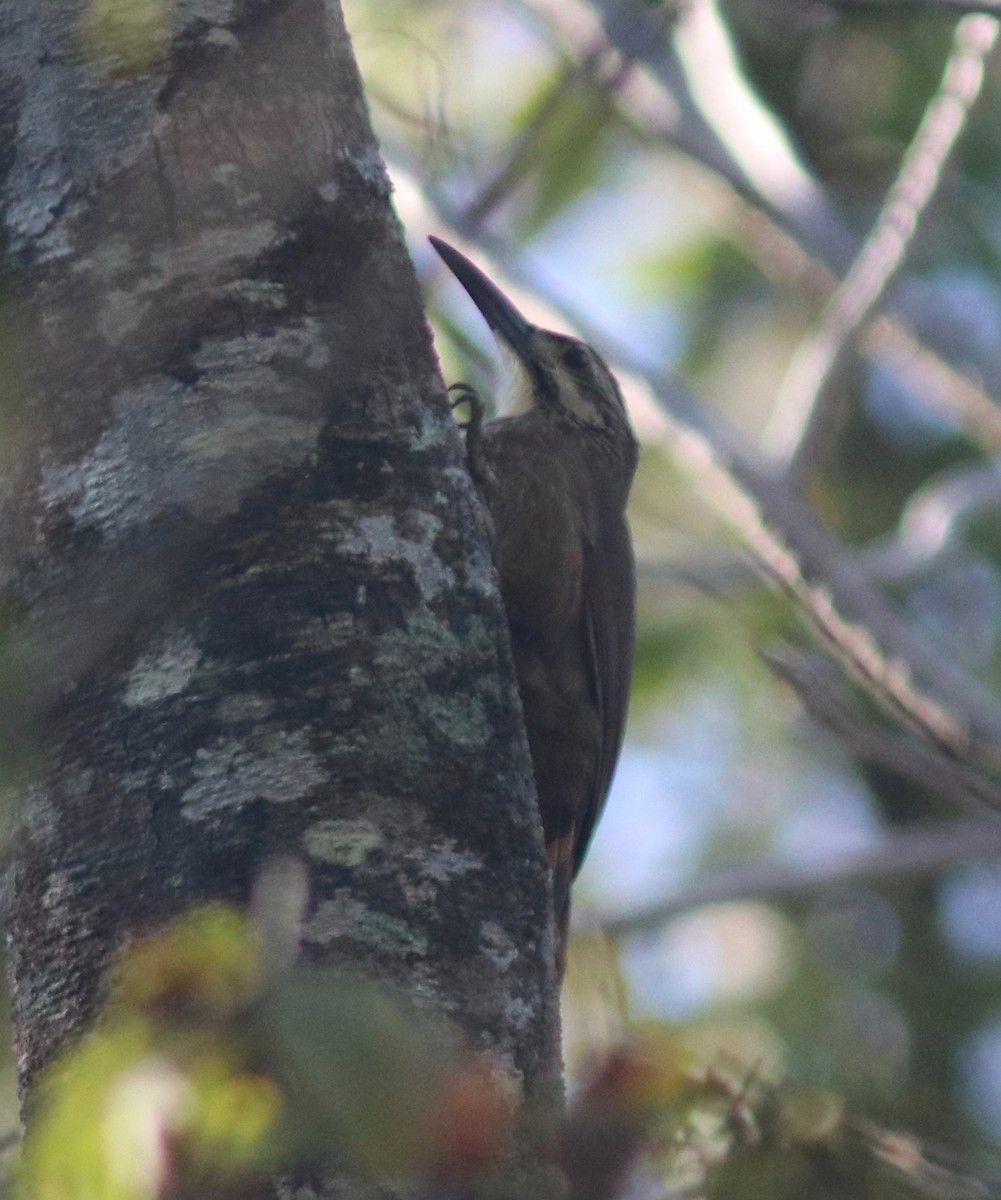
305, 340
164, 448
428, 869
260, 293
518, 1013
112, 258
59, 890
378, 539
31, 221
219, 247
368, 161
497, 946
99, 488
119, 315
222, 357
345, 843
216, 35
316, 635
164, 671
432, 430
466, 726
422, 639
249, 707
228, 175
242, 432
345, 916
445, 862
277, 767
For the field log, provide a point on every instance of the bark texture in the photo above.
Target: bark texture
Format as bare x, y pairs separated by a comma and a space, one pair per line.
256, 601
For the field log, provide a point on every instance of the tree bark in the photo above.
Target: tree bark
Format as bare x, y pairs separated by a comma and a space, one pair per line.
257, 611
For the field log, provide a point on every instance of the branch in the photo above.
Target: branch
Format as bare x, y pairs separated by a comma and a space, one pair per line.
906, 855
893, 7
789, 244
647, 102
826, 700
845, 611
748, 129
805, 398
925, 1170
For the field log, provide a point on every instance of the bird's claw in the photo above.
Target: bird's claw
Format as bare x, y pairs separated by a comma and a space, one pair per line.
478, 468
467, 394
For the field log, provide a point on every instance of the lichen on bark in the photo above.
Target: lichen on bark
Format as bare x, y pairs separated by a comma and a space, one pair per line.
252, 568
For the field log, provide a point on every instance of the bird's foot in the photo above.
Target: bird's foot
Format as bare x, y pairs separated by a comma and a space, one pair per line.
465, 393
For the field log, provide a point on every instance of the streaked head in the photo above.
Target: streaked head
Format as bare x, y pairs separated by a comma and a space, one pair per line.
542, 369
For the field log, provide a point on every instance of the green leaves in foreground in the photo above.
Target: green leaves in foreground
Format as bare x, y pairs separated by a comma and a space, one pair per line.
203, 1075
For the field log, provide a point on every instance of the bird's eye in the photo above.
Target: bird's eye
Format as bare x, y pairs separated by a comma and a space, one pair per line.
574, 358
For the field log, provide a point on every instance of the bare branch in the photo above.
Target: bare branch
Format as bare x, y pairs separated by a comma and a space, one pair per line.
794, 245
824, 697
885, 340
933, 521
594, 65
802, 408
894, 7
909, 854
851, 618
742, 123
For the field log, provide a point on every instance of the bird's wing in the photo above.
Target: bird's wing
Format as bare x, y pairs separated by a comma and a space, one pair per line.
609, 629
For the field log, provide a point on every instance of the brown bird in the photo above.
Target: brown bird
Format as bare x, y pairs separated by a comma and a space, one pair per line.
554, 468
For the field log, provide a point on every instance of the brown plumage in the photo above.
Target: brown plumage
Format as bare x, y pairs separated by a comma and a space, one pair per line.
555, 470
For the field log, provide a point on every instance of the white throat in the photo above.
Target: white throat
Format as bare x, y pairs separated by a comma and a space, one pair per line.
516, 394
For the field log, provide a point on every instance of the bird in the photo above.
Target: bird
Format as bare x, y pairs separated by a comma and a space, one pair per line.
554, 468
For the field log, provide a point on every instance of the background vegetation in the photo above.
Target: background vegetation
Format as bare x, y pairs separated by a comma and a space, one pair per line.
686, 184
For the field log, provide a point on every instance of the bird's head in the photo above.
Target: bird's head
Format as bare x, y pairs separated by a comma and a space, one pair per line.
545, 371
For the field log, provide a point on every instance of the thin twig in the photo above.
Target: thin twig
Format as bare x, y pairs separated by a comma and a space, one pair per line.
909, 854
802, 409
524, 151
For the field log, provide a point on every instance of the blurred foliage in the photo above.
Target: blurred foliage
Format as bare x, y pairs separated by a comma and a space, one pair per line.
204, 1075
571, 120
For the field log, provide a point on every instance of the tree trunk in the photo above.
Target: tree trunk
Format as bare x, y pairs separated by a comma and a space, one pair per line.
256, 609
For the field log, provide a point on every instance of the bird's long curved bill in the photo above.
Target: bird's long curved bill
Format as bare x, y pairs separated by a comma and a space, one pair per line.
497, 310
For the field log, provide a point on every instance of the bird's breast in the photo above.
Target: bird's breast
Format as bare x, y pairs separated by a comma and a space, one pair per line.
540, 546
